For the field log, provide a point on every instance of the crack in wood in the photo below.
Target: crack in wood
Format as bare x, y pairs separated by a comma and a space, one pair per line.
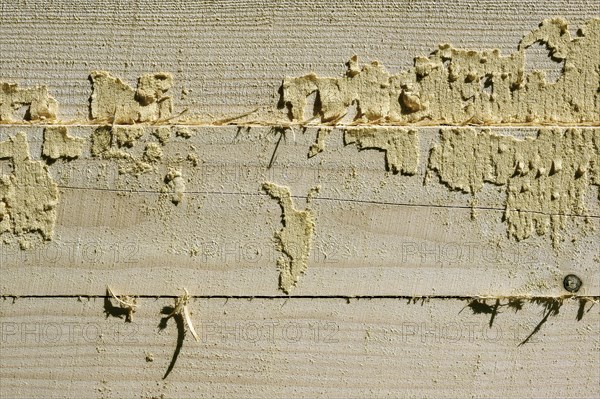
287, 297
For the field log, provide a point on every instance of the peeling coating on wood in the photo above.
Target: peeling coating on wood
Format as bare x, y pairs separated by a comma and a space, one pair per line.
451, 86
175, 184
448, 86
113, 101
163, 134
40, 106
294, 240
546, 178
126, 136
59, 144
319, 144
111, 143
116, 102
152, 153
28, 196
401, 146
391, 240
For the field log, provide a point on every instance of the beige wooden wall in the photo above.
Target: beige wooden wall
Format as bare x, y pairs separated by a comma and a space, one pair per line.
390, 304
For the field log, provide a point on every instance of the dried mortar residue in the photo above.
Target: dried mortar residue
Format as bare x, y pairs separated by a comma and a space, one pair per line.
401, 146
28, 196
455, 86
40, 106
58, 144
294, 240
116, 102
546, 177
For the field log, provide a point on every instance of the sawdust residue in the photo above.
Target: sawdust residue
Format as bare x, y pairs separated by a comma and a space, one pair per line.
59, 144
40, 106
28, 196
294, 240
401, 146
101, 141
116, 102
459, 86
546, 177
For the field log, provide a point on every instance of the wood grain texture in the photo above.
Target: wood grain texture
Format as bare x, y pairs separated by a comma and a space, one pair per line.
394, 238
376, 233
56, 348
231, 57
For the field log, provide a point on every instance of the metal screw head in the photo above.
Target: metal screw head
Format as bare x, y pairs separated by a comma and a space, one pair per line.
572, 283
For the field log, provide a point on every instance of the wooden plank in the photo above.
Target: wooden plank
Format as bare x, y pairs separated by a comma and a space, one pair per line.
53, 347
371, 237
231, 58
389, 305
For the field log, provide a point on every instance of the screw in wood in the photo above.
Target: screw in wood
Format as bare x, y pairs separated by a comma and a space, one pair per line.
572, 283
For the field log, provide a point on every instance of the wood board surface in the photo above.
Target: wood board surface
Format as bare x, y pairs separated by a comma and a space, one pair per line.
392, 238
230, 57
298, 348
376, 233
